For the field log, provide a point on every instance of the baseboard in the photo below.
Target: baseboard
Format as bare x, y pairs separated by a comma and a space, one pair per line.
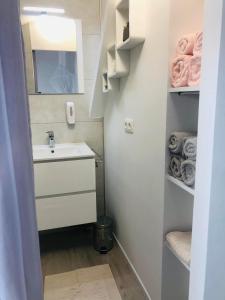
132, 267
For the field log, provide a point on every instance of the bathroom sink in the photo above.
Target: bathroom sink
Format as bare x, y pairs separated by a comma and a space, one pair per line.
62, 151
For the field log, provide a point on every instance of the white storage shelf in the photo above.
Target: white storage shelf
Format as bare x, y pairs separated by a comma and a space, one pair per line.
127, 11
181, 185
130, 43
111, 61
117, 75
122, 4
117, 63
185, 17
185, 90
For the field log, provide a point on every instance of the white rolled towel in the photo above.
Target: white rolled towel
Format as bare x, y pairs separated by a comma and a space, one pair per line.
190, 148
176, 141
180, 243
188, 172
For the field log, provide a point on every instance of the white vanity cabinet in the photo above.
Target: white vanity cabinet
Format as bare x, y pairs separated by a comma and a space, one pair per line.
65, 192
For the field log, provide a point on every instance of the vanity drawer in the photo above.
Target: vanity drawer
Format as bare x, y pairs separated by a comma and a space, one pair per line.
63, 177
63, 211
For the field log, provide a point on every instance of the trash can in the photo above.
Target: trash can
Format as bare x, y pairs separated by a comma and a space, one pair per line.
103, 236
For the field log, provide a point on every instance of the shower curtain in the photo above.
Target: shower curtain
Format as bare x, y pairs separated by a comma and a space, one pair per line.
20, 268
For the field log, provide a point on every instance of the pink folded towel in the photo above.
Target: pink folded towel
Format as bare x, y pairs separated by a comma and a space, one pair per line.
180, 71
198, 43
186, 44
194, 70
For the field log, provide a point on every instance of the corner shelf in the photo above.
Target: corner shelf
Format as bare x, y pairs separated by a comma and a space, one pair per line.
111, 48
128, 11
192, 90
122, 4
178, 258
180, 184
117, 63
117, 75
130, 43
111, 60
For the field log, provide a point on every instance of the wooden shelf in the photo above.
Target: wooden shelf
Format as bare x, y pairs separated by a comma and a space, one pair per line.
130, 43
185, 90
178, 258
180, 184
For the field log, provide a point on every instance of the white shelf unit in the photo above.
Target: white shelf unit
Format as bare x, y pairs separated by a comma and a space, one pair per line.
130, 43
181, 185
122, 4
127, 11
106, 85
177, 257
182, 115
118, 63
185, 90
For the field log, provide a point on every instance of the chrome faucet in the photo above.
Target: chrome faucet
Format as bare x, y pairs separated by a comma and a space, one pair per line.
51, 139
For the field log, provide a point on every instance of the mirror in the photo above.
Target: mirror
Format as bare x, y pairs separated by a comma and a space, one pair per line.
53, 55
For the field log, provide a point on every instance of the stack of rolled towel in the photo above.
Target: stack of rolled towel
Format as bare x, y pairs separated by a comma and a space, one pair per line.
183, 149
186, 66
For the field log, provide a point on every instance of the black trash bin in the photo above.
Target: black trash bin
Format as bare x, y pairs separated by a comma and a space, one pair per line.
103, 235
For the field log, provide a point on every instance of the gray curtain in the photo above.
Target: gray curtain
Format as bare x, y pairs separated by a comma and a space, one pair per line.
20, 268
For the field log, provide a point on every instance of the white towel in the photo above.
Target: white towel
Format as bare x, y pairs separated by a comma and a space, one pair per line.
180, 243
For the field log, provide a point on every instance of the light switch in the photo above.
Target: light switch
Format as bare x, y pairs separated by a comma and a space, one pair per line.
129, 125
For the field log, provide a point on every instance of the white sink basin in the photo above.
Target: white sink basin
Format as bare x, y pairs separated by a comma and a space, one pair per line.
61, 151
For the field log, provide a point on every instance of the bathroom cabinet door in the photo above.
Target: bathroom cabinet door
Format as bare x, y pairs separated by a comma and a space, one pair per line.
63, 177
63, 211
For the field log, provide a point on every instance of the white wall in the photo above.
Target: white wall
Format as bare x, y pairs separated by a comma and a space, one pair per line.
135, 163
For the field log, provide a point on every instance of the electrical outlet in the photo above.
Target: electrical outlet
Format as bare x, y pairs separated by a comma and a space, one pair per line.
129, 125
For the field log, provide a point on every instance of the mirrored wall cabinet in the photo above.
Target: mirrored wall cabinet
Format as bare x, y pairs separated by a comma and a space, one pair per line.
54, 55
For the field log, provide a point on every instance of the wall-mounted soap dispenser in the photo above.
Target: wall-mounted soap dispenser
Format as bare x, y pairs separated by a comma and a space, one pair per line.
70, 113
